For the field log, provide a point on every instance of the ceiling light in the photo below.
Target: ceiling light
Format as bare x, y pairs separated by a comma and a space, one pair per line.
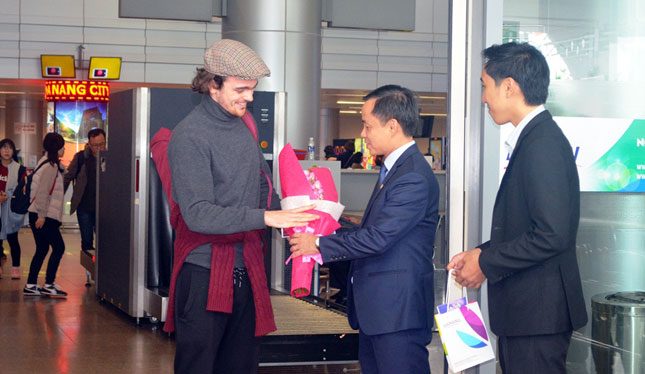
348, 111
434, 114
349, 102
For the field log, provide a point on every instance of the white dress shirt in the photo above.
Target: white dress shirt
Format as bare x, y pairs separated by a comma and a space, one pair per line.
511, 142
392, 157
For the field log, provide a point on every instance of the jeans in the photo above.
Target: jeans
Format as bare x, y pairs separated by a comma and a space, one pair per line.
87, 225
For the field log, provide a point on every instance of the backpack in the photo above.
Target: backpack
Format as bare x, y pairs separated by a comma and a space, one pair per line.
20, 200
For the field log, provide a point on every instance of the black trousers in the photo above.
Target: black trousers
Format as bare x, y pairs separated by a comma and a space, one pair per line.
534, 354
48, 235
338, 275
213, 342
15, 248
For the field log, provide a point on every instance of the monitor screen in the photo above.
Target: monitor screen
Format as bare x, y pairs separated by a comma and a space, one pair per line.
57, 66
424, 128
74, 119
105, 68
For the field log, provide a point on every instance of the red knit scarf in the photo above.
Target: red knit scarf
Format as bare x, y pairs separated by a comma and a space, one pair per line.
220, 288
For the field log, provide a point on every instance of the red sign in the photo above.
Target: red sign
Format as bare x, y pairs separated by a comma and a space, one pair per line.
77, 91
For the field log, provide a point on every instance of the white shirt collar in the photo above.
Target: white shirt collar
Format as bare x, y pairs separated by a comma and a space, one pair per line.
391, 159
511, 142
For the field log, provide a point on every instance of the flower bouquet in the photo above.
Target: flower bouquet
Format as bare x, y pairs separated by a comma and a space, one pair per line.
314, 186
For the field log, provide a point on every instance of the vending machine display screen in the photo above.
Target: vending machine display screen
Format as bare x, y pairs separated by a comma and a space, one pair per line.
74, 119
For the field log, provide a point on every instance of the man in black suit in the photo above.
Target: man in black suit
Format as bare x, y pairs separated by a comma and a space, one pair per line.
534, 288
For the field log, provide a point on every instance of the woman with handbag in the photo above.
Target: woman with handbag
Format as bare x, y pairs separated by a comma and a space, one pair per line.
45, 217
10, 173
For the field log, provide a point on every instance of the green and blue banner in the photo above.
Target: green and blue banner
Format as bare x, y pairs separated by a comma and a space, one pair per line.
609, 152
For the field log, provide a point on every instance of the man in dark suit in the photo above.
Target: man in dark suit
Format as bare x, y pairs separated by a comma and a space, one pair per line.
390, 291
534, 289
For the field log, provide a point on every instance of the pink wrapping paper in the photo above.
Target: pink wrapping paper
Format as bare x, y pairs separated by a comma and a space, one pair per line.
316, 184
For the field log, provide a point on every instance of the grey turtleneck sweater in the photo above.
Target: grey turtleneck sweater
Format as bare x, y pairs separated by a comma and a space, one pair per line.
215, 164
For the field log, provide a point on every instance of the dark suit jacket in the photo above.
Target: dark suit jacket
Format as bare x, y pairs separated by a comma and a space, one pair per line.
391, 275
530, 261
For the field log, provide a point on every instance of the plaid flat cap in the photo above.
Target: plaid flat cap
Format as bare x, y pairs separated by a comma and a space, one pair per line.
230, 58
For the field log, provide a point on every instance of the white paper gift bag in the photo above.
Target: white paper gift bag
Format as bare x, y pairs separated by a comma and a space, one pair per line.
465, 339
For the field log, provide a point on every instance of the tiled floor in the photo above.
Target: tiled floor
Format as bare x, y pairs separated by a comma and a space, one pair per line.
73, 335
81, 335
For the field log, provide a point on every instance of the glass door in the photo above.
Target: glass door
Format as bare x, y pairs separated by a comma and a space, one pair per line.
596, 51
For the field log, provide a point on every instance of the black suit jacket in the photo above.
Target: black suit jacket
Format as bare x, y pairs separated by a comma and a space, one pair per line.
530, 261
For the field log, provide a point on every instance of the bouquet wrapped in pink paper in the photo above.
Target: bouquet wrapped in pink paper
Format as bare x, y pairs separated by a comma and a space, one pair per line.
314, 186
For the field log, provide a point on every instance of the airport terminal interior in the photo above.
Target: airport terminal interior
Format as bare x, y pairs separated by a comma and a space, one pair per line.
125, 66
82, 334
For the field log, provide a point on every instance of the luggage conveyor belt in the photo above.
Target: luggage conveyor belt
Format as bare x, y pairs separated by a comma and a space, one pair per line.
307, 333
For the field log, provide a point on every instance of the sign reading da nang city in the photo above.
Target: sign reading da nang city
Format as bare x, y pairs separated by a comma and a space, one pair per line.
65, 90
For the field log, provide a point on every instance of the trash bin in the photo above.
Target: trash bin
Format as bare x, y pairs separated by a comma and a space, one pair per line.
618, 326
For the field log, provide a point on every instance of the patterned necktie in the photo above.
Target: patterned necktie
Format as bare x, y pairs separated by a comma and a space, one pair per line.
382, 173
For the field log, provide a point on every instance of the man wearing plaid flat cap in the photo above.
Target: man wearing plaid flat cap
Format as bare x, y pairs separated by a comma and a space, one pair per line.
219, 301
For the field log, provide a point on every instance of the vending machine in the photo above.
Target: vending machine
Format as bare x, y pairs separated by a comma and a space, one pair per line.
74, 108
